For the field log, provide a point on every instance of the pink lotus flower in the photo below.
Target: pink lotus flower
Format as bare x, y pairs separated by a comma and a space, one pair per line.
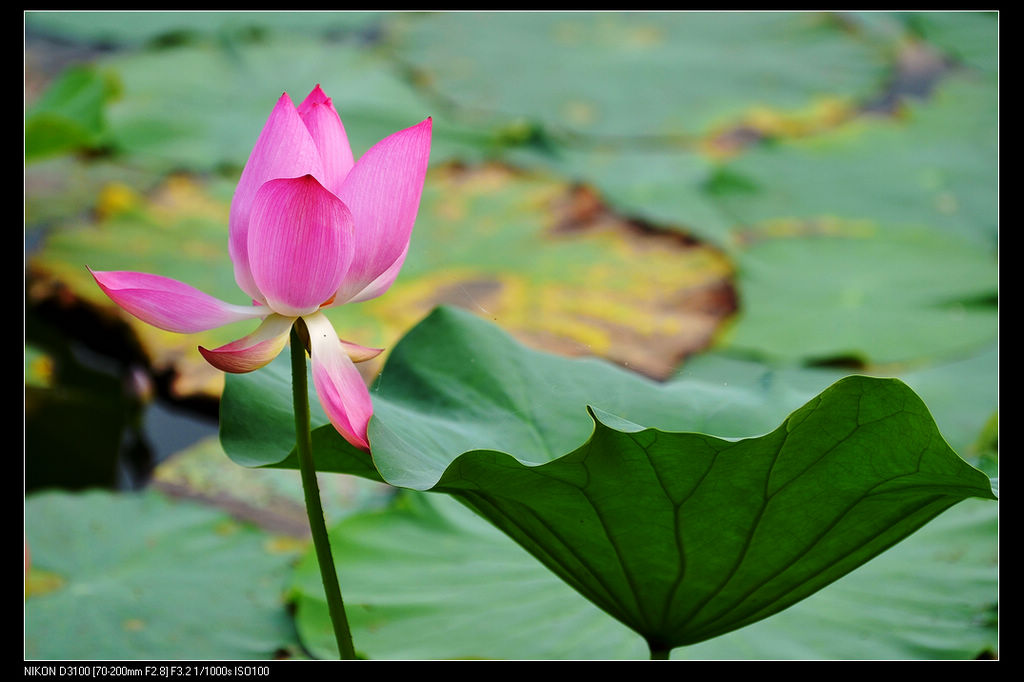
309, 229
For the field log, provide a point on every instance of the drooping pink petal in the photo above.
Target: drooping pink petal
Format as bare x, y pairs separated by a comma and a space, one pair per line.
339, 386
321, 118
169, 304
383, 192
299, 243
358, 353
284, 149
253, 351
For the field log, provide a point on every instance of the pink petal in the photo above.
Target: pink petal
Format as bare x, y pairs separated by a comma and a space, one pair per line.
321, 118
339, 386
284, 149
357, 353
300, 244
383, 281
169, 304
383, 192
253, 351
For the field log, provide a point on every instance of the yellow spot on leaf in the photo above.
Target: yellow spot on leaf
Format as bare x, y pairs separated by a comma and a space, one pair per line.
283, 544
578, 112
646, 35
39, 368
181, 195
227, 527
825, 113
115, 199
40, 582
133, 625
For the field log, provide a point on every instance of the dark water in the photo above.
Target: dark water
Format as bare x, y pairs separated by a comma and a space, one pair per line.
101, 420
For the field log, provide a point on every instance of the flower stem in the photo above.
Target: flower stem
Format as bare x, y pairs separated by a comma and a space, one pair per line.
659, 653
304, 448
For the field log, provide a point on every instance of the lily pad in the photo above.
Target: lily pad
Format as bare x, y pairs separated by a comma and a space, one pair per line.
70, 115
272, 499
664, 185
682, 536
933, 167
877, 296
166, 119
138, 28
429, 579
634, 74
141, 577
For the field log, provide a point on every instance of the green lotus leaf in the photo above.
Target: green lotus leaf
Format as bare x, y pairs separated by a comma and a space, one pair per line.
138, 576
614, 483
428, 578
69, 116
